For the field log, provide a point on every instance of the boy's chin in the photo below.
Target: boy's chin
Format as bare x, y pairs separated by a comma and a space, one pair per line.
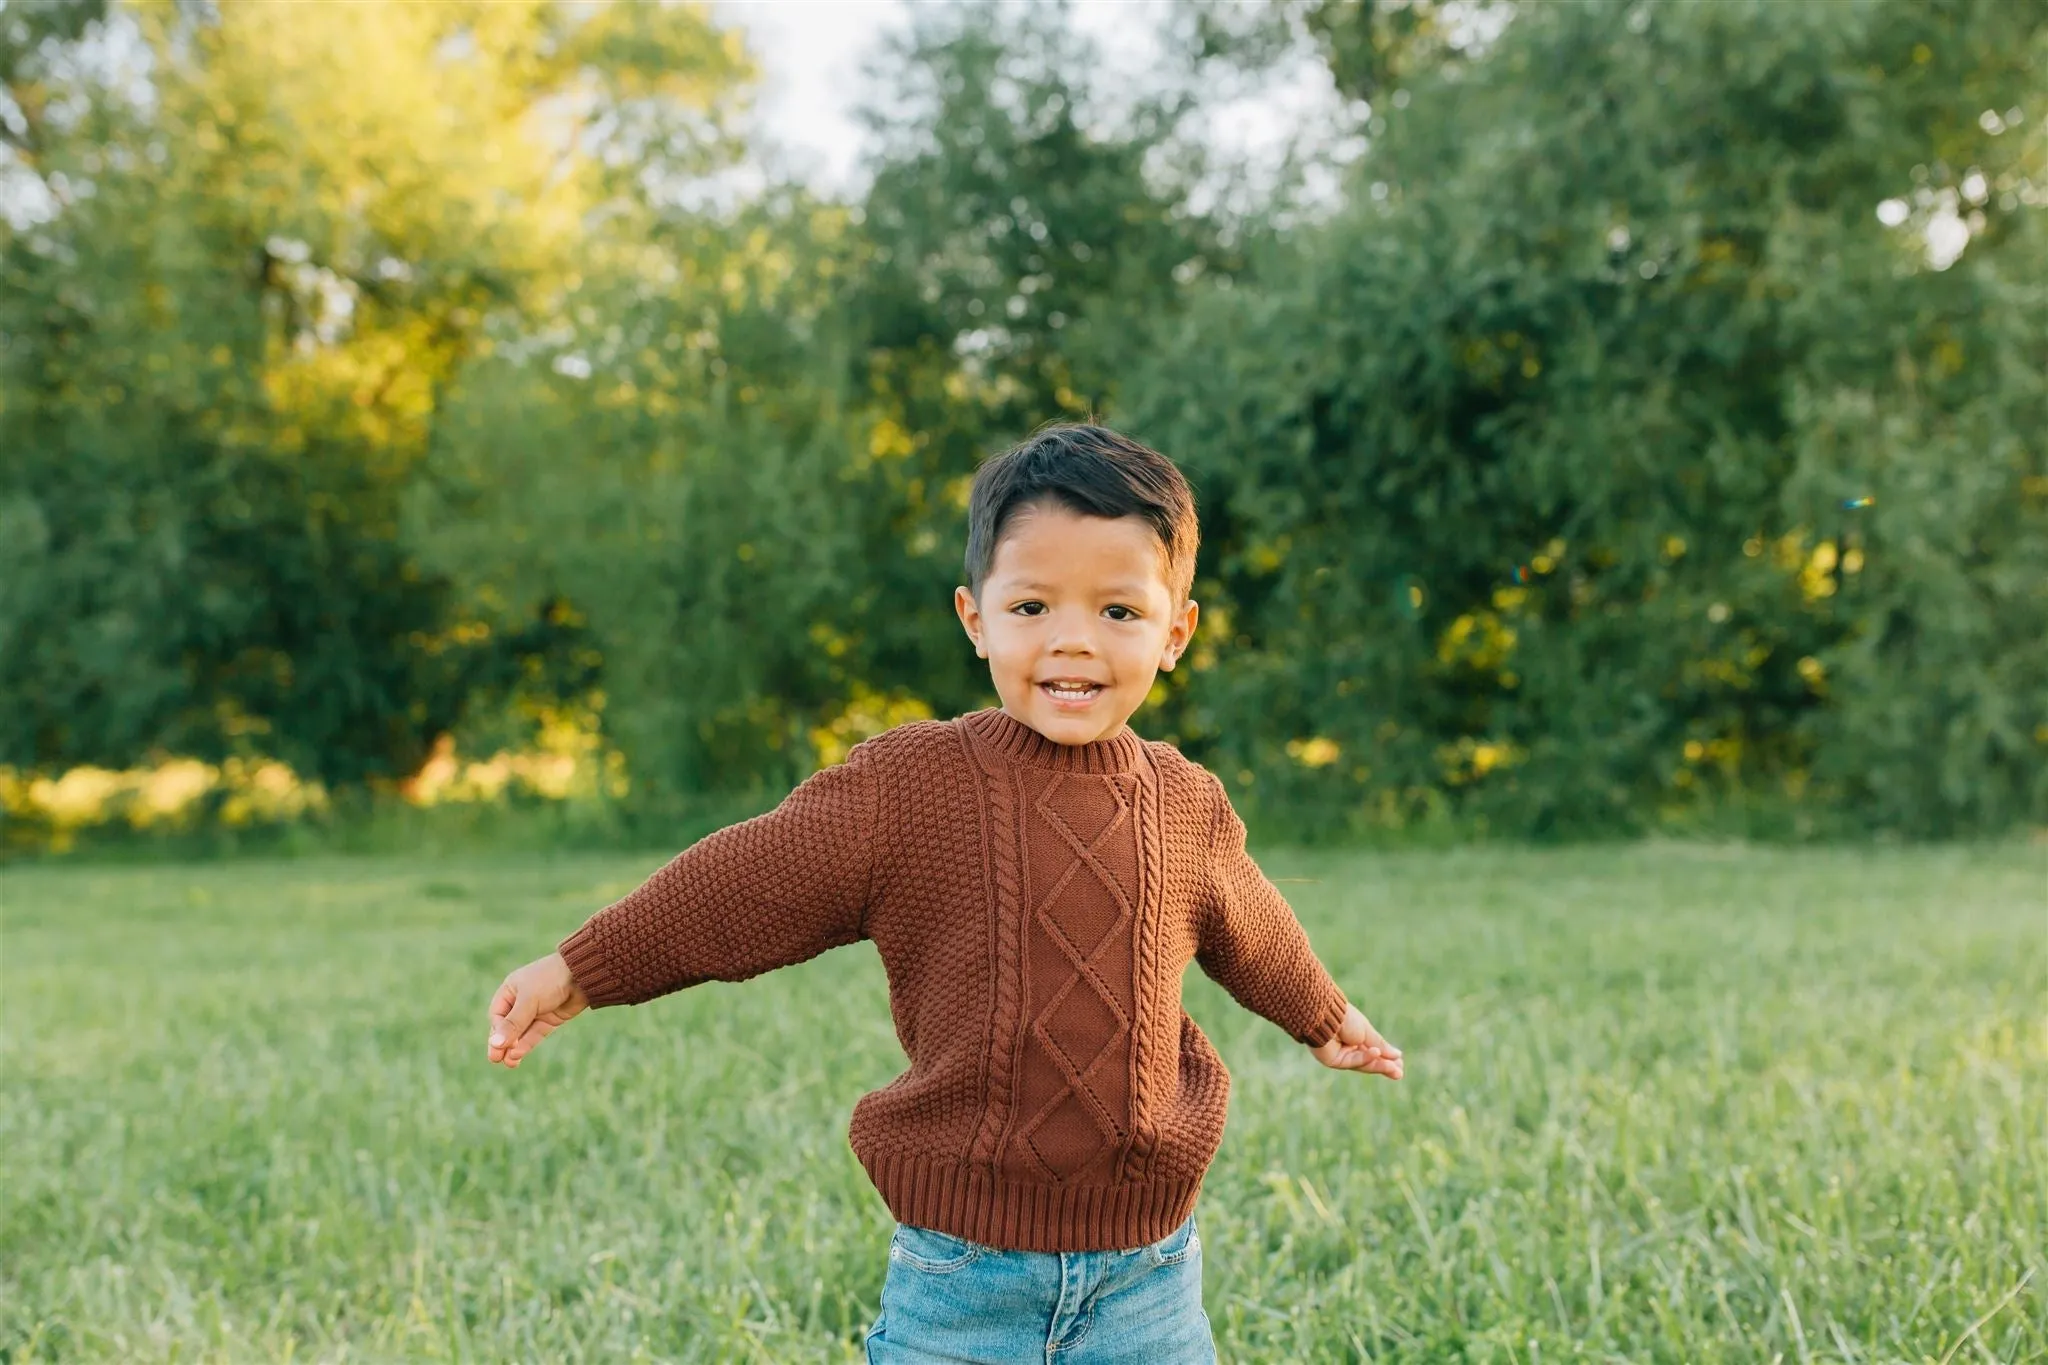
1098, 720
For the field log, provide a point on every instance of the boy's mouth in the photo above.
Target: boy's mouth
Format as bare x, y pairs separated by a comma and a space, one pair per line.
1071, 691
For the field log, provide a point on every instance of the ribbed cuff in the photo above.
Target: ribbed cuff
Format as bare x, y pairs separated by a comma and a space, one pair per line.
1013, 1215
1324, 1025
593, 974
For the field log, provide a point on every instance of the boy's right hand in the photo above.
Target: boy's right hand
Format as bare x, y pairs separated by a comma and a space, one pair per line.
534, 1001
1359, 1047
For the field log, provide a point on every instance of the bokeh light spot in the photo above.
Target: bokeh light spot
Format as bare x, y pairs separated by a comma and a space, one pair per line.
1410, 596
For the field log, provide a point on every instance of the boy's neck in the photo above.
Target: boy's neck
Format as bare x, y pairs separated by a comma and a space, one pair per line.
1024, 743
1072, 742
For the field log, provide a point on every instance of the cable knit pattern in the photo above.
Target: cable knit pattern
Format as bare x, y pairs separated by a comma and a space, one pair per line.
1034, 905
1083, 982
1145, 1040
1006, 883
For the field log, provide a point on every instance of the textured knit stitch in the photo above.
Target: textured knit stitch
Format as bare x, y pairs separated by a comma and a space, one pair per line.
1035, 905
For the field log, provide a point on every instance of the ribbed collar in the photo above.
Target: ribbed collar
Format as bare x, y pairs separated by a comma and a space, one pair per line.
1007, 735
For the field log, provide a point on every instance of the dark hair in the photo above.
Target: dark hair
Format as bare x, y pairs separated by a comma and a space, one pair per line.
1090, 470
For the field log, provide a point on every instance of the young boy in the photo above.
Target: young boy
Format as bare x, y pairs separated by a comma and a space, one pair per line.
1036, 878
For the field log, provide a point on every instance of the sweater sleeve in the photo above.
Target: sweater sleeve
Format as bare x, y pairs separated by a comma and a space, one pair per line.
765, 893
1254, 947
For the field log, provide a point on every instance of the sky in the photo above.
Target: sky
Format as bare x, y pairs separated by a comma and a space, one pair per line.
811, 56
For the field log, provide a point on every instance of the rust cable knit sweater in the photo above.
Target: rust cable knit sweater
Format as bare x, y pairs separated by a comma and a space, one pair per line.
1035, 905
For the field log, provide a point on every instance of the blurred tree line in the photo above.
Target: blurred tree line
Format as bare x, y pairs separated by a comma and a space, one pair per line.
1648, 430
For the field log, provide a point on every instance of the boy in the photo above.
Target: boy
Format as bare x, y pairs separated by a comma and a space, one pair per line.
1036, 878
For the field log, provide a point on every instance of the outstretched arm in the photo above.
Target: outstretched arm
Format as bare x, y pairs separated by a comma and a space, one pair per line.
765, 893
1254, 947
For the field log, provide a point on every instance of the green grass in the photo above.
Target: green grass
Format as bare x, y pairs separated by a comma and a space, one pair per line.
1663, 1103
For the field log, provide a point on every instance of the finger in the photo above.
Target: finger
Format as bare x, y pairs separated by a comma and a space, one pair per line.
529, 1040
1369, 1060
501, 1005
1354, 1029
517, 1019
1374, 1039
501, 1002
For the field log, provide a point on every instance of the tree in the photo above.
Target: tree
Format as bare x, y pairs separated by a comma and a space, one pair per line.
1019, 245
1611, 451
269, 253
746, 463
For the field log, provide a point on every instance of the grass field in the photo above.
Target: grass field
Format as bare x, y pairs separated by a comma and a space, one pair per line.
1663, 1103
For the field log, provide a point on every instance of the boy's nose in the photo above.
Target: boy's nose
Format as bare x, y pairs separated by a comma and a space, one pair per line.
1073, 634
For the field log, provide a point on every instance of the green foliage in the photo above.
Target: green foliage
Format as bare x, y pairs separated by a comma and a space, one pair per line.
675, 465
1019, 243
1649, 438
1373, 47
1669, 1103
224, 351
741, 448
1537, 478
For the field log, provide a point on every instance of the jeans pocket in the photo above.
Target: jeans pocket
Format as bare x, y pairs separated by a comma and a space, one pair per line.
1178, 1245
933, 1253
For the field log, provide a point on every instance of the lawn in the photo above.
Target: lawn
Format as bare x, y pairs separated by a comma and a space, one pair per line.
1664, 1102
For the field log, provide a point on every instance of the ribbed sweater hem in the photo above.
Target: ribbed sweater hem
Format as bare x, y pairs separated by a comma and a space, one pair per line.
971, 1202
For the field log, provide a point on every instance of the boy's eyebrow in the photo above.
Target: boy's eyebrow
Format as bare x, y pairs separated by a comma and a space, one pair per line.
1109, 590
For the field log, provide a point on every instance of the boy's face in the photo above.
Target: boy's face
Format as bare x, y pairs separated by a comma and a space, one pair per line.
1077, 600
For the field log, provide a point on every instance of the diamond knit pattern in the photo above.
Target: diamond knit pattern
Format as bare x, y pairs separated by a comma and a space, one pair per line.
1034, 905
1081, 927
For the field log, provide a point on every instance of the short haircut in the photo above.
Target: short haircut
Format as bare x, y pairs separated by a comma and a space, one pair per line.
1092, 471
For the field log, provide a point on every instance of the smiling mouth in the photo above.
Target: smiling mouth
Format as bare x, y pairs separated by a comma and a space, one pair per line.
1071, 692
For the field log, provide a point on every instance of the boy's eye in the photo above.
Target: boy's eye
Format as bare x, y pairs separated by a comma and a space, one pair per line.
1037, 608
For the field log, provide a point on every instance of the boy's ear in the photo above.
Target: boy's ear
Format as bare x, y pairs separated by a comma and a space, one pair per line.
969, 612
1182, 631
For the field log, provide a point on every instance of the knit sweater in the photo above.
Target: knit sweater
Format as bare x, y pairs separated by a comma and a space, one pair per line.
1035, 905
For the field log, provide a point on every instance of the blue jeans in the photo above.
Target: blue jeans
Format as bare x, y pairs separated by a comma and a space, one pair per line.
946, 1299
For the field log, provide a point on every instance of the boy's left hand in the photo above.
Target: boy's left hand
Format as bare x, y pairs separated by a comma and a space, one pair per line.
534, 1001
1359, 1047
